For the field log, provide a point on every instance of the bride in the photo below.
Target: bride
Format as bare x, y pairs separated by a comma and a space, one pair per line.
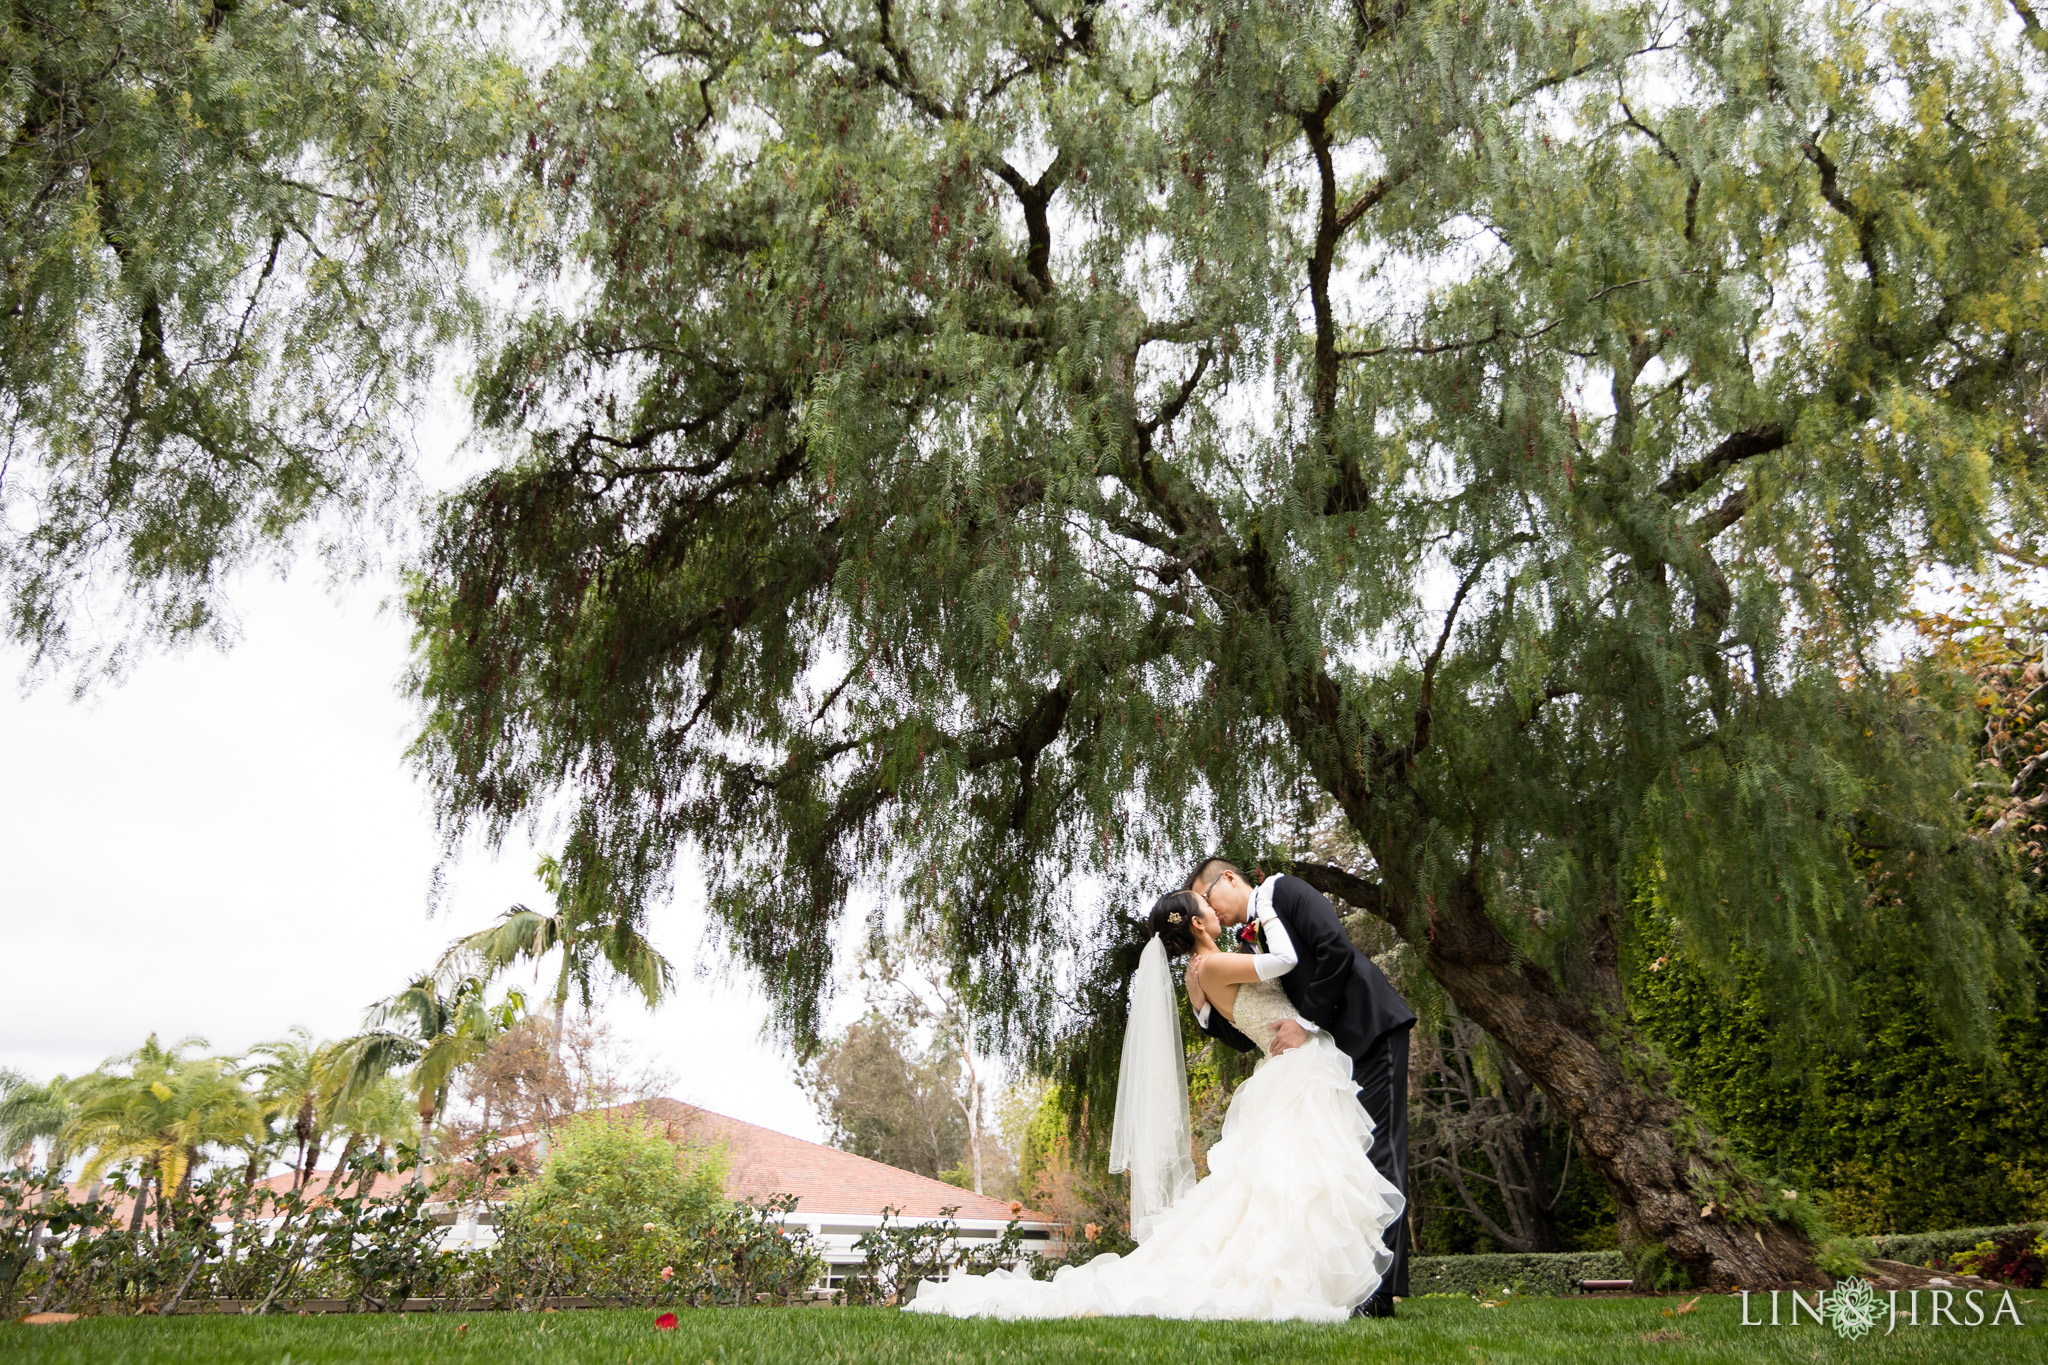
1288, 1223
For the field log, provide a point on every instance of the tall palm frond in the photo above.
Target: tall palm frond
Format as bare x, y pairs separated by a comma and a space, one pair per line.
591, 936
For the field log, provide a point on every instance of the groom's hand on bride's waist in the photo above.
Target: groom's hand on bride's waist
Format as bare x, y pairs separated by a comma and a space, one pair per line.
1287, 1035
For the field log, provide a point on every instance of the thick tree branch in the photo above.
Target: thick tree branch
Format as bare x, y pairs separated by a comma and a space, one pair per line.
1863, 220
1710, 524
1173, 406
1034, 197
1692, 191
1340, 885
2030, 24
1734, 448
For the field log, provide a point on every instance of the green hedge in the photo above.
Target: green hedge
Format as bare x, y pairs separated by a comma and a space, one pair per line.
1559, 1272
1918, 1248
1554, 1272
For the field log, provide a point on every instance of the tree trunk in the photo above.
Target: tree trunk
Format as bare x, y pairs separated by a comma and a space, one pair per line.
427, 1109
972, 1109
1668, 1188
303, 1126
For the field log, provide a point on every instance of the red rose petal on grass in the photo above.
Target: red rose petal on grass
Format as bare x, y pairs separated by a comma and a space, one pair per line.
665, 1323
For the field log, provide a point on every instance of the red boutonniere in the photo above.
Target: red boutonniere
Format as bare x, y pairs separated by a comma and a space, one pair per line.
1248, 934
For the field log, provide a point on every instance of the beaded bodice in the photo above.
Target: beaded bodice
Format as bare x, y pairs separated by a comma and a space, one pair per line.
1259, 1006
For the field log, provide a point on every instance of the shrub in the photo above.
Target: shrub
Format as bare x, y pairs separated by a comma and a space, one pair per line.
625, 1215
1557, 1272
622, 1175
2017, 1257
1939, 1248
900, 1255
1842, 1257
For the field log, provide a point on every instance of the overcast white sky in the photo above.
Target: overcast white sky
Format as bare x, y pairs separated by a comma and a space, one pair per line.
230, 844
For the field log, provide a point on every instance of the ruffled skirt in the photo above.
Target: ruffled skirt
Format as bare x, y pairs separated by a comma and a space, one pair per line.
1290, 1224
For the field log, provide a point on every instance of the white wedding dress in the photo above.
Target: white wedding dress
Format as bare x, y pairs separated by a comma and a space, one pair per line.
1290, 1222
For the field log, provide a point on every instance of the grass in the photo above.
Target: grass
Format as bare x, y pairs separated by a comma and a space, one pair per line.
1445, 1331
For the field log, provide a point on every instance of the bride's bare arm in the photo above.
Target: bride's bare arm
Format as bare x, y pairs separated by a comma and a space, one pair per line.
1199, 997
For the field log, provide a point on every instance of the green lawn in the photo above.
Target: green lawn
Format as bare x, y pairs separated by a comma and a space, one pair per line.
1438, 1331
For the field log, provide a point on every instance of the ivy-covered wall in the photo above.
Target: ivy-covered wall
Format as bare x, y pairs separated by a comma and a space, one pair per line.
1891, 1122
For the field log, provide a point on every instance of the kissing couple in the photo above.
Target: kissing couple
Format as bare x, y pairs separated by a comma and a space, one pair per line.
1300, 1216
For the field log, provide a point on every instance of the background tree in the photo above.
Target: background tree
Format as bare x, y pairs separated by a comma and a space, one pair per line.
159, 1111
1487, 1134
33, 1112
297, 1080
376, 1117
884, 1096
430, 1031
230, 246
533, 1076
1003, 445
906, 978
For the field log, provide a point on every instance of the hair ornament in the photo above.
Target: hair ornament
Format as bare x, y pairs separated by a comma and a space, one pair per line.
1173, 917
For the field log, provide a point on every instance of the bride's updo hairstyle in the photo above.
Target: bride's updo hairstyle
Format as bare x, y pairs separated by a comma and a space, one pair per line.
1173, 920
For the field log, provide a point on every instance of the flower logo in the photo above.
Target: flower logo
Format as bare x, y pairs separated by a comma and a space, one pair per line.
1853, 1308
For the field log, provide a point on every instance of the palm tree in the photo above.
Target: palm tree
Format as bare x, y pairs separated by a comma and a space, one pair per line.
297, 1089
161, 1114
431, 1030
31, 1112
380, 1117
589, 940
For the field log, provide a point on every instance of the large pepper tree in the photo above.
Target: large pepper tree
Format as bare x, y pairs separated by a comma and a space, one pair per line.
991, 448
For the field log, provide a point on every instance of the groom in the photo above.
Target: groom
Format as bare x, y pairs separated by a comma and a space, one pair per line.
1337, 988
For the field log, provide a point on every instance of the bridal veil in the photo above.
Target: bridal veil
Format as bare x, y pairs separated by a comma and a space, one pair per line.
1150, 1137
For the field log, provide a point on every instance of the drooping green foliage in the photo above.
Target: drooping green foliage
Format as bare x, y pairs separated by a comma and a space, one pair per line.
1932, 1112
229, 251
980, 446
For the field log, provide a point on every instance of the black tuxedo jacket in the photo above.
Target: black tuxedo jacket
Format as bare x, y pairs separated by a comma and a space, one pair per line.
1333, 985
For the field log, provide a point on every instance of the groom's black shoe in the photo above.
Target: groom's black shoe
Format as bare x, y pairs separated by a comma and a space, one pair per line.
1378, 1306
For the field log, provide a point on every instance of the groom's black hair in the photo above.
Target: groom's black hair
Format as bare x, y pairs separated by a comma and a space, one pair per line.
1202, 873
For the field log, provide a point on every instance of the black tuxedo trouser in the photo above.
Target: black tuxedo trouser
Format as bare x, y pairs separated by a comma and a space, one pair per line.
1382, 1077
